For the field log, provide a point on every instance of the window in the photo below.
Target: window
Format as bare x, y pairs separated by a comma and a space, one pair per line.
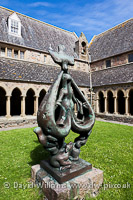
83, 48
22, 55
15, 54
14, 26
118, 58
45, 58
9, 53
2, 51
130, 57
108, 63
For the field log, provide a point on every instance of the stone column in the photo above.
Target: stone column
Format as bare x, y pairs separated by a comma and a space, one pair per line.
126, 106
8, 114
97, 105
22, 106
6, 51
105, 105
12, 53
35, 105
115, 105
18, 54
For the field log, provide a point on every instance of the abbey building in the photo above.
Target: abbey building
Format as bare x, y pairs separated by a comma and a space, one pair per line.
27, 70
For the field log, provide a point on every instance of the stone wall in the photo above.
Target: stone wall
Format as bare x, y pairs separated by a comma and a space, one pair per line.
34, 56
41, 57
17, 121
113, 117
115, 61
98, 65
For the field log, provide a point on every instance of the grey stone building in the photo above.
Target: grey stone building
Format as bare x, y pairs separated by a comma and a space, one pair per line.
27, 70
112, 72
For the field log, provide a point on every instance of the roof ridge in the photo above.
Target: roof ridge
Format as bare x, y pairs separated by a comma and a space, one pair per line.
73, 33
90, 43
113, 28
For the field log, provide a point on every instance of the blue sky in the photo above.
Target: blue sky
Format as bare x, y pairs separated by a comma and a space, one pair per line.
89, 16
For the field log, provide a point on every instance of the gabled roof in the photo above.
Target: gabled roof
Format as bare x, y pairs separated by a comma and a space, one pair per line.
113, 41
36, 34
23, 71
113, 75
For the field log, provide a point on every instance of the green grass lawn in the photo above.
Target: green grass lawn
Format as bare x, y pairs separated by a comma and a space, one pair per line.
109, 148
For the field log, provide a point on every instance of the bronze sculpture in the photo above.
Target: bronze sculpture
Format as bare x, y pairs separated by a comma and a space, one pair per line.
56, 116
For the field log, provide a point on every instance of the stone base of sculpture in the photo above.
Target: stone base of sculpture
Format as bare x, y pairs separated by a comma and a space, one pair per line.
77, 168
87, 184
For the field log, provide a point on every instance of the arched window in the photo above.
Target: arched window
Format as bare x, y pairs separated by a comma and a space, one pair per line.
41, 96
131, 102
101, 102
83, 48
121, 102
29, 102
110, 102
16, 102
2, 102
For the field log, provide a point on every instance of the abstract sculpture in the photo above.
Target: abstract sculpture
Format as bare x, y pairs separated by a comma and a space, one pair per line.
56, 117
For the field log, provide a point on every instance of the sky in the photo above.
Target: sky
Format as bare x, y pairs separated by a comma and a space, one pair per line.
91, 17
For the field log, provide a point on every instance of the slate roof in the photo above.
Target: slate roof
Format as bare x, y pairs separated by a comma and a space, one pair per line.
115, 75
112, 42
36, 34
15, 70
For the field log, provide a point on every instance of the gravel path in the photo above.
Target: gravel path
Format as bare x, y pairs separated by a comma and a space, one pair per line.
18, 127
35, 125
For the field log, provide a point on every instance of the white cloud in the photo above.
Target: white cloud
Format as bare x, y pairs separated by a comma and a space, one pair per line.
93, 18
43, 4
90, 17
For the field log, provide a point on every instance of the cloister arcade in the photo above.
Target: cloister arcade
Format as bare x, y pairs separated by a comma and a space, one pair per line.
119, 101
20, 103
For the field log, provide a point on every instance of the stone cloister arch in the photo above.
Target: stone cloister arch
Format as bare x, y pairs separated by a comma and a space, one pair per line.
29, 102
16, 102
41, 96
101, 102
110, 102
131, 102
121, 102
2, 102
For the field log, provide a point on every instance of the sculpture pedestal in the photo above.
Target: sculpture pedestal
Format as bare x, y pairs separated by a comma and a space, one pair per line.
87, 183
77, 168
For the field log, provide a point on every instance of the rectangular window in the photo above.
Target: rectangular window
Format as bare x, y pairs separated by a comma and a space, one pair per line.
9, 53
14, 26
108, 63
130, 57
2, 51
22, 55
45, 58
15, 54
